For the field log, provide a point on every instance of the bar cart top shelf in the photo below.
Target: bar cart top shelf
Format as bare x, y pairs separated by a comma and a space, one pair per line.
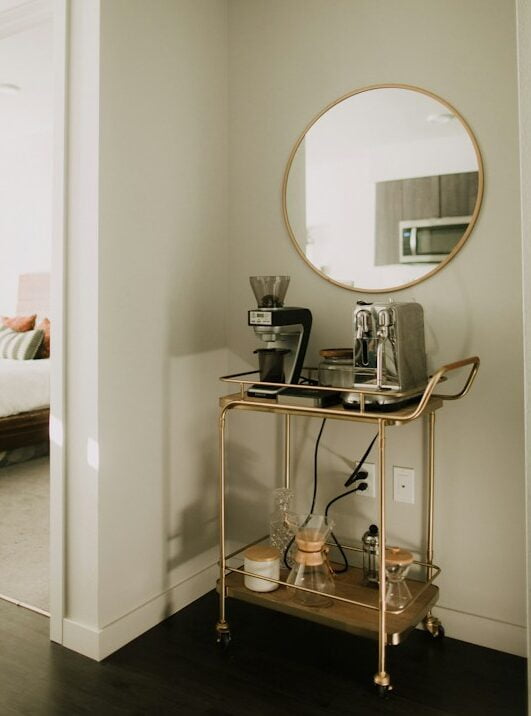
426, 402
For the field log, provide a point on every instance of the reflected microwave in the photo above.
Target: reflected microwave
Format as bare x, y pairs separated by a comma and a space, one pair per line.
430, 240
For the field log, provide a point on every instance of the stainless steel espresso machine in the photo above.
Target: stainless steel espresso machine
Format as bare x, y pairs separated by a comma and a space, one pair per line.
284, 332
389, 349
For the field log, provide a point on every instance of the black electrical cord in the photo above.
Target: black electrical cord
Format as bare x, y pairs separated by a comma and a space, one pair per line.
362, 486
357, 474
314, 496
358, 467
308, 381
315, 453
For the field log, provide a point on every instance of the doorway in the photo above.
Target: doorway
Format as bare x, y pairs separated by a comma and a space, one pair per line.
32, 50
26, 152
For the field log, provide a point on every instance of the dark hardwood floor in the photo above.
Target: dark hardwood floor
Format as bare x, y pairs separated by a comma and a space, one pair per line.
275, 665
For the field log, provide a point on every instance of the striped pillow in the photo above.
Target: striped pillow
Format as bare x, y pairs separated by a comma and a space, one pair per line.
20, 346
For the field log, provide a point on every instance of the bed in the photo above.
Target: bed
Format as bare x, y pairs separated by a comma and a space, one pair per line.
25, 385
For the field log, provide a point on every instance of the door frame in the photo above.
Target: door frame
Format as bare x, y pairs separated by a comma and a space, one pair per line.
58, 315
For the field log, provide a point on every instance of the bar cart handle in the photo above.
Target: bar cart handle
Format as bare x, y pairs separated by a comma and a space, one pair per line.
437, 377
473, 362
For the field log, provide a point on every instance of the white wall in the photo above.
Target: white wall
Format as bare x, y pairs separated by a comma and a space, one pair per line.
163, 268
159, 306
156, 291
81, 563
25, 159
290, 58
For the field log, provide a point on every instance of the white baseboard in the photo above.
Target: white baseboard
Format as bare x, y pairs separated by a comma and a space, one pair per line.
98, 644
83, 639
482, 631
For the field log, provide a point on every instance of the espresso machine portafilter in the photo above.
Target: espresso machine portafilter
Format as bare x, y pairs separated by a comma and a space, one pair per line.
283, 331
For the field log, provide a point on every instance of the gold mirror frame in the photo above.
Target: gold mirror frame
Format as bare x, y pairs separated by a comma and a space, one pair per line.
457, 247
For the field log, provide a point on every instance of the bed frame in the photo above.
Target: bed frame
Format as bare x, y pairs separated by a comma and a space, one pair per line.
29, 428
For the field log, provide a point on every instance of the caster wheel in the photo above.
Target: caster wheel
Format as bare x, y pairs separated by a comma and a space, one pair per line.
224, 639
384, 691
439, 633
434, 628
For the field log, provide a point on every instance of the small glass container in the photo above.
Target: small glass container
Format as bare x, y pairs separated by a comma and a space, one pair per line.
264, 561
371, 550
281, 528
397, 563
335, 370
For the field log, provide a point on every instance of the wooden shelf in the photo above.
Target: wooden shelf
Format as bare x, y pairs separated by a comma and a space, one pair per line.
354, 619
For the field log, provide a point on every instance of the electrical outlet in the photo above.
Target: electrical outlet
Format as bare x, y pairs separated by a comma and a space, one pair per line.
404, 484
370, 468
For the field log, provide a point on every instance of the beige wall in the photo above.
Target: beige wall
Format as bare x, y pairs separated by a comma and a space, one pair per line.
288, 59
81, 341
157, 292
147, 306
163, 266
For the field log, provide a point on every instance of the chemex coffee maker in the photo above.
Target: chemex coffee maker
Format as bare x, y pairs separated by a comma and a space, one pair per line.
389, 349
284, 332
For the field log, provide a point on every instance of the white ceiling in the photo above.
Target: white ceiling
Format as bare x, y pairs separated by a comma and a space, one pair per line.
26, 60
28, 7
381, 117
8, 4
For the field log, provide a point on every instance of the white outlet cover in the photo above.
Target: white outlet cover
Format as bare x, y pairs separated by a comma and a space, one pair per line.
404, 484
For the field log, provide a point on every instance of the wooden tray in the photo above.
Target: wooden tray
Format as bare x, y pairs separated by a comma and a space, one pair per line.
347, 617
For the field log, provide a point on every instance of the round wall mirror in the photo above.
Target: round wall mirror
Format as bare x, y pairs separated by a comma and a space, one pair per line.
383, 188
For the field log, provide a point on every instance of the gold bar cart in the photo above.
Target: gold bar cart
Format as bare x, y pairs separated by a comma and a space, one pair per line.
356, 608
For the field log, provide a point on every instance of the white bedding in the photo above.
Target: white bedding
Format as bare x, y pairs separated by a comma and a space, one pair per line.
24, 385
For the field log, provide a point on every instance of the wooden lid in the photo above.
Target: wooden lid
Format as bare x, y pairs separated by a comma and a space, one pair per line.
336, 353
398, 556
261, 553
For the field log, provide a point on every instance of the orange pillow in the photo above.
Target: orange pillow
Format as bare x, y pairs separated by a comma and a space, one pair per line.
20, 323
44, 350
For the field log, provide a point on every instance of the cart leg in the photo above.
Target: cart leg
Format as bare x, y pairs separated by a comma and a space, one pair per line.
382, 678
431, 489
222, 627
432, 625
287, 451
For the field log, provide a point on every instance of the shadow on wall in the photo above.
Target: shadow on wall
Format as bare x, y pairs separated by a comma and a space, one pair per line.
198, 526
249, 497
189, 526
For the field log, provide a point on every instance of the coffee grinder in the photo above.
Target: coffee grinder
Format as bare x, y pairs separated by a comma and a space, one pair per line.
284, 331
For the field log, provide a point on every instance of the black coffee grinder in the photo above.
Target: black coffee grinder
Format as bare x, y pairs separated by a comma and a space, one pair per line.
284, 331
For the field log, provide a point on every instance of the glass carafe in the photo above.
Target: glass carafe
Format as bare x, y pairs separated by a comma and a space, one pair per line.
282, 528
397, 563
311, 569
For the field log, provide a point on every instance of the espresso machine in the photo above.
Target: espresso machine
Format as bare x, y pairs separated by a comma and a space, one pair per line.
389, 349
284, 332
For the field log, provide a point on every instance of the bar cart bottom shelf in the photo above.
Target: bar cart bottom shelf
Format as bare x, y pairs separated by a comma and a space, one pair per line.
354, 619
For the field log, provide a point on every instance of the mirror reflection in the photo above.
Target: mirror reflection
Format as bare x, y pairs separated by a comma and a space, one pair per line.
383, 188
